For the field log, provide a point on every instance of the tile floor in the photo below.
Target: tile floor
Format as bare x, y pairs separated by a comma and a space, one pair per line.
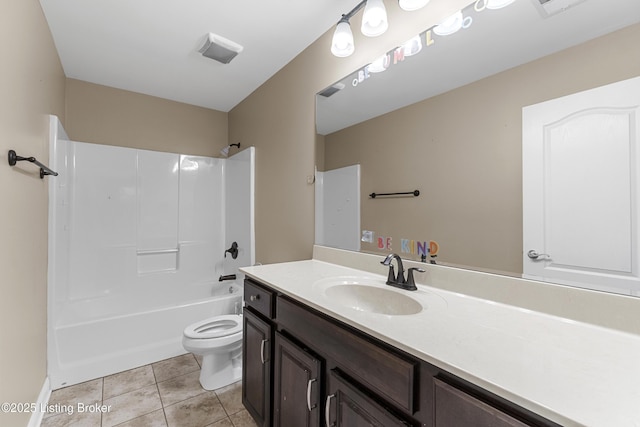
163, 394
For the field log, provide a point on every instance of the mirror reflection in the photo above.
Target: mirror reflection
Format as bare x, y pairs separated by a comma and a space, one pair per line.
443, 115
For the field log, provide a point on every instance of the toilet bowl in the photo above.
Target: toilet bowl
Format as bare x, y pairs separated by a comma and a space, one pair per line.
219, 341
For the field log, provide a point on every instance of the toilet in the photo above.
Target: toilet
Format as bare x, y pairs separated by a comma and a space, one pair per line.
219, 341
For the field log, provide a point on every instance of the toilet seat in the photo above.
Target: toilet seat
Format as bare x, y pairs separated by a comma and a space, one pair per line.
214, 327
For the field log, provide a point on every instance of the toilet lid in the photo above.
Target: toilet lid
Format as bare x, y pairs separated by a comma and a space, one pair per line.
215, 327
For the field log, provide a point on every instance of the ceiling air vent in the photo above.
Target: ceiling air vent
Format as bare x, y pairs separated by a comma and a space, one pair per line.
331, 90
219, 48
552, 7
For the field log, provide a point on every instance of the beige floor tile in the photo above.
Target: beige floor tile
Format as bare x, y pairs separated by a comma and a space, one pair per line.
198, 411
175, 367
242, 419
131, 405
77, 419
154, 419
180, 388
198, 359
67, 399
124, 382
226, 422
231, 398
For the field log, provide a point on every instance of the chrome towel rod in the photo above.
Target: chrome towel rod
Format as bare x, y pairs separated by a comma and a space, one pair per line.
44, 170
415, 193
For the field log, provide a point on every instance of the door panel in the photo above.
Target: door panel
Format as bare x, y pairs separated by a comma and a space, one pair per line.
346, 406
454, 408
580, 188
256, 368
297, 385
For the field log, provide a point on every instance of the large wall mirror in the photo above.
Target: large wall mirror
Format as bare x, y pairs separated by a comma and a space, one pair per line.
443, 115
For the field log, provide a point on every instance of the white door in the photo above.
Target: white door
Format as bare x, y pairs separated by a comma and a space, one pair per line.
338, 208
580, 189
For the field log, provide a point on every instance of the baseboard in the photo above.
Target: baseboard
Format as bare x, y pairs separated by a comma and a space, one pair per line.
43, 401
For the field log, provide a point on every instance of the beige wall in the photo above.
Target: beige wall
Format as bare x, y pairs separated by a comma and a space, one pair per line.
463, 151
279, 120
104, 115
32, 86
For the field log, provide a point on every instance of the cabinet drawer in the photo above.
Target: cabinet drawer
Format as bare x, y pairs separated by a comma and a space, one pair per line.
259, 298
353, 408
454, 407
387, 374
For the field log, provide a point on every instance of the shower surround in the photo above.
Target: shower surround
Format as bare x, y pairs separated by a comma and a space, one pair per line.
137, 241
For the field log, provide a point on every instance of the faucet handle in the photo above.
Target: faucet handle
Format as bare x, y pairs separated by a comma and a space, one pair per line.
410, 280
391, 278
387, 260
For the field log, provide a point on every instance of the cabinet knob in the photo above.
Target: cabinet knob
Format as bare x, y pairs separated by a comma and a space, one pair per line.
254, 297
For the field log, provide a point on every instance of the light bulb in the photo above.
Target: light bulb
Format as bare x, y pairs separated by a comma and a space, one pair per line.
380, 64
450, 25
412, 47
374, 18
498, 4
342, 43
410, 5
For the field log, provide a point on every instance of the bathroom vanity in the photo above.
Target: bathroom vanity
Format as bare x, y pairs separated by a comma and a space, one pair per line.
331, 345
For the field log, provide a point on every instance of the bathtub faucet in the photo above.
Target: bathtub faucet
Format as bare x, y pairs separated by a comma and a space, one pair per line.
227, 277
233, 250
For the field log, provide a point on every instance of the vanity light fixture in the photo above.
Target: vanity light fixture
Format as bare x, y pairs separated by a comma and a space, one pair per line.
450, 25
342, 43
374, 19
498, 4
380, 64
411, 5
412, 46
374, 23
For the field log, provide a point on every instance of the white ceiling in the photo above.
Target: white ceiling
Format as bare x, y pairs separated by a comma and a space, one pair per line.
150, 46
495, 41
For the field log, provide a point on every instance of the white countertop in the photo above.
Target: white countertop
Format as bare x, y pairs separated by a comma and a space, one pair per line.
573, 373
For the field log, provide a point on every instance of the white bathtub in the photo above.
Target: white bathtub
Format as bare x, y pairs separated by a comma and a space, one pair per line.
94, 338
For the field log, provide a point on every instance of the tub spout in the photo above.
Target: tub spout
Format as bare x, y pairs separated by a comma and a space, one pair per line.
227, 277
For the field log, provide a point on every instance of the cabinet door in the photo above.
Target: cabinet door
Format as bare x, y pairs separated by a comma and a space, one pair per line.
256, 368
457, 408
346, 406
296, 385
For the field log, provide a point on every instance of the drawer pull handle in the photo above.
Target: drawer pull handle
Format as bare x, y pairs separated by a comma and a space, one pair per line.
327, 410
262, 350
254, 297
311, 381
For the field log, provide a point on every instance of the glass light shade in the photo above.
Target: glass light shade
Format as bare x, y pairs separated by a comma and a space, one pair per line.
498, 4
379, 65
342, 43
450, 25
412, 47
410, 5
374, 19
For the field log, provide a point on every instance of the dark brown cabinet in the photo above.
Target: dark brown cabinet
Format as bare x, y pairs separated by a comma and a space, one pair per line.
347, 406
256, 368
454, 407
316, 371
297, 382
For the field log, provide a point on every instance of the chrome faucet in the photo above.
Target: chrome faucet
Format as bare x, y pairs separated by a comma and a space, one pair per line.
399, 281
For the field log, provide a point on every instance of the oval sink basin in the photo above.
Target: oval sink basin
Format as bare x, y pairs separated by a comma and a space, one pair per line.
373, 299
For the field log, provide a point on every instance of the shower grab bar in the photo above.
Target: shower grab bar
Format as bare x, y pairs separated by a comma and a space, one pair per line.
44, 170
158, 251
415, 193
